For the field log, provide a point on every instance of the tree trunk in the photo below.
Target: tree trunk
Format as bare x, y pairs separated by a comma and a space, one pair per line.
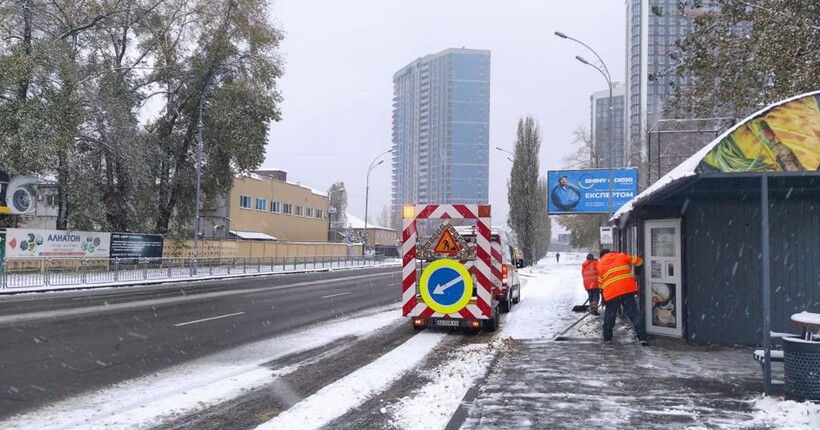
62, 191
22, 86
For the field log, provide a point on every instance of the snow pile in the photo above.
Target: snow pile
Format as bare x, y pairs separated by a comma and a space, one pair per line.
433, 405
787, 414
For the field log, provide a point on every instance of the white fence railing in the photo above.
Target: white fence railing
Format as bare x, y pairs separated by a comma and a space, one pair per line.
45, 272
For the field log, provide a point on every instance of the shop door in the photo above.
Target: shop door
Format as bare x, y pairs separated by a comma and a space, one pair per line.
662, 294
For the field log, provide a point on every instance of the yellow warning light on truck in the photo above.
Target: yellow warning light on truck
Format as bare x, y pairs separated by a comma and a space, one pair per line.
408, 211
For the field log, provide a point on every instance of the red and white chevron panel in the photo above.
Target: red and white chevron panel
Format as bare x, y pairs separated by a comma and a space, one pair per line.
483, 268
497, 262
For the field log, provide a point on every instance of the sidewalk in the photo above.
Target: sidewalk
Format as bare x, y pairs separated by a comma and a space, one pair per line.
582, 383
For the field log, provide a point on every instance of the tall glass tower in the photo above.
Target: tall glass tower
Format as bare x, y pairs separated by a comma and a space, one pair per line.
441, 126
600, 117
652, 28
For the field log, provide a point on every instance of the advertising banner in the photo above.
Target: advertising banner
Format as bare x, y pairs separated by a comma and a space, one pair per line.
587, 191
128, 245
23, 242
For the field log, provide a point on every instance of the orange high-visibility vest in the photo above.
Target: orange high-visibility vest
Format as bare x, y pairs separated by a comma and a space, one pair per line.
589, 270
615, 274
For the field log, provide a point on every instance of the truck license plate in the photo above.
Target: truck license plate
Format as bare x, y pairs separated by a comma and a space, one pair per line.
448, 323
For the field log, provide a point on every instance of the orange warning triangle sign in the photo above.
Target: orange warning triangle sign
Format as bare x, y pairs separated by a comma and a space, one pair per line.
447, 244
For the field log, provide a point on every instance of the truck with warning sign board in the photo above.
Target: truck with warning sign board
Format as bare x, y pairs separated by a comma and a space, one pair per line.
456, 276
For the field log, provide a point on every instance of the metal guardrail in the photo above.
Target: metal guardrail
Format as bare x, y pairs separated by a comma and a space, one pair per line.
44, 272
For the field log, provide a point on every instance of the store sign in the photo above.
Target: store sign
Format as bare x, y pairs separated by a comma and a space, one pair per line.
128, 245
22, 242
587, 191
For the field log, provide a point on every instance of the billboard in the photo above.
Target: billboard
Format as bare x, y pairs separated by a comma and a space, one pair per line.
587, 191
23, 242
18, 194
128, 245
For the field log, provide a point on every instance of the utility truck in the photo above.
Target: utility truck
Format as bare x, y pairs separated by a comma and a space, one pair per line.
453, 275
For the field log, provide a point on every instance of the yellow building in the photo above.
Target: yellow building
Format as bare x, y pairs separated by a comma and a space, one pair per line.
265, 202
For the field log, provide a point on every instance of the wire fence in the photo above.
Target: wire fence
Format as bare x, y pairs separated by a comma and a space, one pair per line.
58, 272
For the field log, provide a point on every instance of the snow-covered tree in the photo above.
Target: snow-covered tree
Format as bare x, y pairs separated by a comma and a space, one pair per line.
743, 54
522, 188
583, 228
80, 85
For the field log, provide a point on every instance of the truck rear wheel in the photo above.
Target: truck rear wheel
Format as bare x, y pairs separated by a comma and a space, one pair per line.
492, 323
506, 305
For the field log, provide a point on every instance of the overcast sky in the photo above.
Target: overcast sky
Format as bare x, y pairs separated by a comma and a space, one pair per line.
340, 57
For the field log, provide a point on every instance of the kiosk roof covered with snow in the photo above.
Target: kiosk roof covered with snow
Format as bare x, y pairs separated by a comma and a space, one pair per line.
701, 227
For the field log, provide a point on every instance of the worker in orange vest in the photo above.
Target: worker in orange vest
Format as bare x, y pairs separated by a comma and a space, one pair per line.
589, 270
619, 289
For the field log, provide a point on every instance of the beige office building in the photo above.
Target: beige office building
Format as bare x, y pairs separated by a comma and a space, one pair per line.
264, 205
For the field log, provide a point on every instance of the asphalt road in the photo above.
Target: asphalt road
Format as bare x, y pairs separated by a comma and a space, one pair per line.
56, 345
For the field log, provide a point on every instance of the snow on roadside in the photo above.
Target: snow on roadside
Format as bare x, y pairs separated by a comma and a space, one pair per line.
547, 292
434, 404
335, 399
148, 401
786, 414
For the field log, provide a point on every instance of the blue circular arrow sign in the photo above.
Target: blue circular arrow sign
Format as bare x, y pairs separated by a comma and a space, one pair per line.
446, 286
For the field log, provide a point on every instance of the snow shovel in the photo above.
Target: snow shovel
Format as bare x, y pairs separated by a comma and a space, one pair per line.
581, 308
560, 336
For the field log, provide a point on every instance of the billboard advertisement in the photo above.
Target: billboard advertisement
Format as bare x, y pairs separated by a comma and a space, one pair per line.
24, 242
128, 245
587, 191
18, 194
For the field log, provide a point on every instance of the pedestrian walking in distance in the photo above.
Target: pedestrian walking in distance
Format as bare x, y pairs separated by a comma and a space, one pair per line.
557, 256
589, 270
619, 289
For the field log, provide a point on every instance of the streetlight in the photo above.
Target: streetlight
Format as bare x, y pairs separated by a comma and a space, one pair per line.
373, 165
605, 73
235, 228
207, 84
508, 152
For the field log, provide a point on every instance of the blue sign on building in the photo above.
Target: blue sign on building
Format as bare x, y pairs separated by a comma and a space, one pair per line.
587, 191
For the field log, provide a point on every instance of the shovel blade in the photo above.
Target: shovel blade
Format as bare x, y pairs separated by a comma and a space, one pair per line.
580, 308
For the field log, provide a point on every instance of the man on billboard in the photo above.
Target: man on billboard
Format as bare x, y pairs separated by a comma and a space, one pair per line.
565, 196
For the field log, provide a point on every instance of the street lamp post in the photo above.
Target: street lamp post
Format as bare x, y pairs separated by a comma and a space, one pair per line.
507, 152
605, 73
197, 219
373, 165
235, 228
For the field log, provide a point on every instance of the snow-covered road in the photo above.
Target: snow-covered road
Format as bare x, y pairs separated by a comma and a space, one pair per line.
419, 383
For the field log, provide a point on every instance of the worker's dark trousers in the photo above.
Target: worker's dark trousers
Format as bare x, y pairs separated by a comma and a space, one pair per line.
630, 305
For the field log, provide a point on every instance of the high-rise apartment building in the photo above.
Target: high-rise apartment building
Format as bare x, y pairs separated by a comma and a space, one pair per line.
601, 120
441, 126
652, 28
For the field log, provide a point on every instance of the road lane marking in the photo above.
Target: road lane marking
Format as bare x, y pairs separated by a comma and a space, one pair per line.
91, 310
335, 295
209, 319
